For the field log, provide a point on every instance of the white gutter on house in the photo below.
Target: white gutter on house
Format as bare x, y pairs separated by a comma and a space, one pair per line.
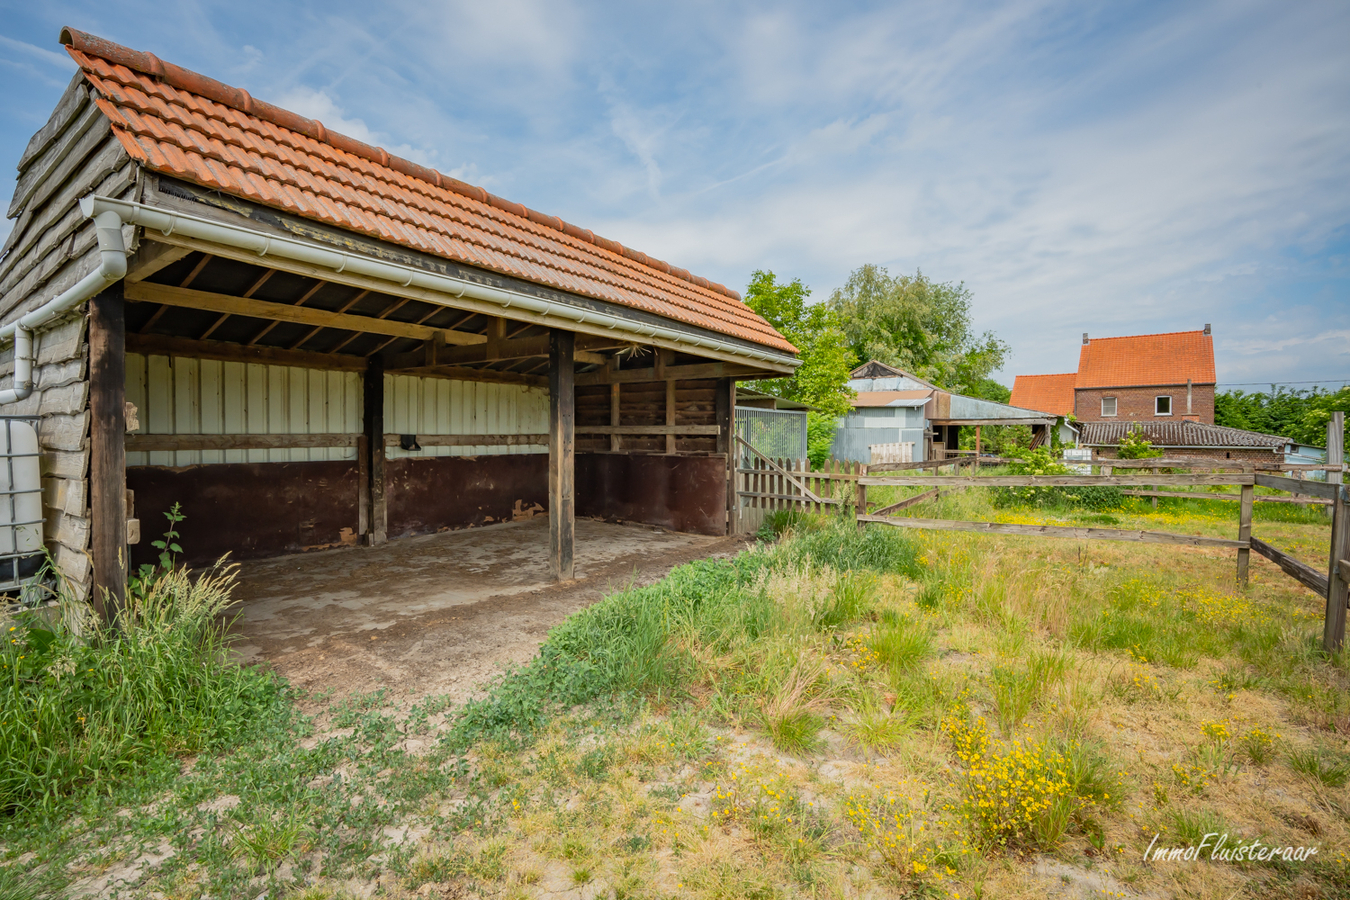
399, 275
112, 268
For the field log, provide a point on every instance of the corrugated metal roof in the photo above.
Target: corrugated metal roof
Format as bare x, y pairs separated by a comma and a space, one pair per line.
1178, 434
177, 122
891, 398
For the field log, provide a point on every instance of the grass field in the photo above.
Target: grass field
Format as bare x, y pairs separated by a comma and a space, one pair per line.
830, 714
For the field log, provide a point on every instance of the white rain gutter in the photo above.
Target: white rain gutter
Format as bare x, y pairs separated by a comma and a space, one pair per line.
112, 268
168, 223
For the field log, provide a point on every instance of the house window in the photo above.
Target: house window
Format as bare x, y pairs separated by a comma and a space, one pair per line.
1162, 406
1108, 406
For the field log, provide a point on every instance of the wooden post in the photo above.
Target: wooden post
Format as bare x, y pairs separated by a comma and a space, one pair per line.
1244, 532
670, 414
378, 516
977, 444
862, 497
108, 458
1335, 448
562, 422
1338, 579
724, 406
614, 439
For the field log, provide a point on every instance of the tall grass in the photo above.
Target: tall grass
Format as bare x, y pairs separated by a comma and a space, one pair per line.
732, 623
84, 703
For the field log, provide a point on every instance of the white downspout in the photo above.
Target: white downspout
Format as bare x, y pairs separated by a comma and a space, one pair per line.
112, 268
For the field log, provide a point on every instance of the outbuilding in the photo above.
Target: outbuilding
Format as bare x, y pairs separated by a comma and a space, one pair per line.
309, 342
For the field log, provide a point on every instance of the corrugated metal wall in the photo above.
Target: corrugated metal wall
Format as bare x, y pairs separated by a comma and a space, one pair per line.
414, 405
179, 395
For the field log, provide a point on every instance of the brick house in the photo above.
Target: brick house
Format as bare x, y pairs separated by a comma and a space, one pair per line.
1161, 385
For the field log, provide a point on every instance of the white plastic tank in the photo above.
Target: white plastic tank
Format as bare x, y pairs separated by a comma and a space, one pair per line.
20, 502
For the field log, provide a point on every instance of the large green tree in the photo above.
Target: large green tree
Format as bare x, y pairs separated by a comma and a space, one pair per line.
921, 326
1300, 415
815, 329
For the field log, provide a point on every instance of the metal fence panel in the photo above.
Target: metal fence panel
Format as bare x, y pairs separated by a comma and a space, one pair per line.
777, 433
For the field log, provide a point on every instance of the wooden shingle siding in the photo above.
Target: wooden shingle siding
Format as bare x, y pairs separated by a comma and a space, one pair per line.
51, 247
181, 395
427, 406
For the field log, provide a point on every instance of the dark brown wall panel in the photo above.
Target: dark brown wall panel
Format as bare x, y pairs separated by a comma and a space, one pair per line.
439, 492
682, 493
247, 509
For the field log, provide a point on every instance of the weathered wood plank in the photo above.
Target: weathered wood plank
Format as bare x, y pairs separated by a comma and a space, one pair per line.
682, 373
1296, 486
45, 173
711, 430
1086, 534
282, 312
1056, 480
472, 440
373, 404
1245, 533
907, 503
1194, 495
73, 99
1301, 572
1338, 576
108, 472
145, 443
794, 498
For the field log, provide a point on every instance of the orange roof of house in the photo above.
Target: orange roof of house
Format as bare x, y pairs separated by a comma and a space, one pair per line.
1147, 359
177, 122
1044, 393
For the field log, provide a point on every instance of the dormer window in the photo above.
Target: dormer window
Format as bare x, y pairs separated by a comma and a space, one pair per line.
1108, 406
1162, 405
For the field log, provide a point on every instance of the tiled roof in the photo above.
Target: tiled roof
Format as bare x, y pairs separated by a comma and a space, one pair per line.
1147, 359
1044, 393
183, 124
1177, 434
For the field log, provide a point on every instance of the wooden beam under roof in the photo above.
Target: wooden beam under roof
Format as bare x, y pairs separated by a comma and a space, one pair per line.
164, 345
696, 370
499, 351
282, 312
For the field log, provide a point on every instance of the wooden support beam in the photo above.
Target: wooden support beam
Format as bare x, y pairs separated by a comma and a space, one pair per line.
284, 312
683, 373
1194, 495
108, 461
978, 422
163, 345
1056, 480
689, 430
670, 416
151, 257
1245, 533
561, 456
472, 440
908, 502
154, 442
499, 350
1087, 534
1301, 572
462, 373
1338, 577
615, 442
724, 411
374, 488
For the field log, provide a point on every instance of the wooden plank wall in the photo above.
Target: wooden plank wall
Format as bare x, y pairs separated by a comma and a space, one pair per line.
51, 247
435, 406
180, 395
645, 403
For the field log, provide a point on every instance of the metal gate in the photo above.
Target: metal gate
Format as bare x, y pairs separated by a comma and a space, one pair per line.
777, 433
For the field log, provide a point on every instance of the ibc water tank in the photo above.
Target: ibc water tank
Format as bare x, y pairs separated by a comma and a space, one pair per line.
20, 503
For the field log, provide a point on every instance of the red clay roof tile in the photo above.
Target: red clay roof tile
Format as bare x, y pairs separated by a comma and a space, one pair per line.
1147, 359
187, 125
1044, 393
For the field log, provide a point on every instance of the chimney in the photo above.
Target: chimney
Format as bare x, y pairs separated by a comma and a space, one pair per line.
1188, 395
1206, 330
1085, 337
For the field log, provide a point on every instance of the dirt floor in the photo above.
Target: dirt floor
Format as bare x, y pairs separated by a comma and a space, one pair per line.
439, 614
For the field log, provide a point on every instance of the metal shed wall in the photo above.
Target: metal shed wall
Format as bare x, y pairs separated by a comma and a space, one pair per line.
862, 428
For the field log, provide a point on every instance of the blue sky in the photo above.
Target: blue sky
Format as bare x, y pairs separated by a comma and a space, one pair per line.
1111, 168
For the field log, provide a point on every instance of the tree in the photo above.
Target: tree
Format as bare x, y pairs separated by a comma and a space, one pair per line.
1299, 415
815, 330
918, 325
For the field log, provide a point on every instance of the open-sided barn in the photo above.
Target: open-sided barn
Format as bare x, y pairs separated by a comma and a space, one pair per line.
309, 342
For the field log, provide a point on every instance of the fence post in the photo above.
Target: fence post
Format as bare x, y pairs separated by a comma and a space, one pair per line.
1338, 591
1244, 555
1335, 447
862, 496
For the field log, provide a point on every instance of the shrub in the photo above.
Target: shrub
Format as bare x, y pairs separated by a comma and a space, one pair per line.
1040, 462
1135, 446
